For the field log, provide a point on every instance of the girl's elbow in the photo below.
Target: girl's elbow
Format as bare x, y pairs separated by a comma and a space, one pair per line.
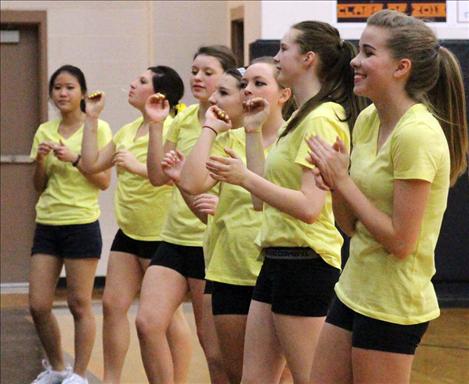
188, 187
258, 207
105, 185
309, 217
156, 181
402, 250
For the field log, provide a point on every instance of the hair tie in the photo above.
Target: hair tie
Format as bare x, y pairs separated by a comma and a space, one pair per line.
241, 70
180, 107
341, 43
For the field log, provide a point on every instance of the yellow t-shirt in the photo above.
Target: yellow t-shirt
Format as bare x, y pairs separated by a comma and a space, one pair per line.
139, 206
182, 227
374, 282
234, 255
284, 166
69, 198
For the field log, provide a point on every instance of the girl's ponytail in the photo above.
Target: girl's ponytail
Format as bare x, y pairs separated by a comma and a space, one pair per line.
449, 104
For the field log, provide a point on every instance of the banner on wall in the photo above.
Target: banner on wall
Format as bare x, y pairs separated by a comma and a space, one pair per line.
357, 11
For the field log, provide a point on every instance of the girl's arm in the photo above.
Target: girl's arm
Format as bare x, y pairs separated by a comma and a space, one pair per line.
195, 178
255, 160
40, 176
127, 160
100, 179
200, 205
343, 214
397, 232
256, 112
204, 205
156, 111
304, 204
94, 160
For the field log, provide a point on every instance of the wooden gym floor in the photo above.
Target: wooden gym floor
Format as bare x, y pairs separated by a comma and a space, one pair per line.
442, 358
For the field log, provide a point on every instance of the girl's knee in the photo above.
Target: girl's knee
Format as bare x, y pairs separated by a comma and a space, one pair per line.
113, 305
149, 324
79, 306
40, 309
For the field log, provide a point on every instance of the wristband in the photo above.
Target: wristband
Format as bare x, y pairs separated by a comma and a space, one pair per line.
206, 126
75, 163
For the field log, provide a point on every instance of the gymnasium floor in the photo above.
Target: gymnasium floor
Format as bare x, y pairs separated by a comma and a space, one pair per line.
443, 357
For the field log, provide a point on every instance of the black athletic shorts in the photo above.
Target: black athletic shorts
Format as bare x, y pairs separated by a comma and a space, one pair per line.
140, 248
188, 261
296, 281
75, 241
378, 335
228, 299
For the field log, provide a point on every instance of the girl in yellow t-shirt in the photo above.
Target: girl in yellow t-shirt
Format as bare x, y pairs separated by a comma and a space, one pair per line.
393, 201
67, 229
299, 242
140, 210
178, 266
234, 264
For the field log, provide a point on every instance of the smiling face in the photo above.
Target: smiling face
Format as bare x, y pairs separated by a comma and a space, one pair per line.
289, 58
228, 96
206, 72
66, 93
374, 66
140, 89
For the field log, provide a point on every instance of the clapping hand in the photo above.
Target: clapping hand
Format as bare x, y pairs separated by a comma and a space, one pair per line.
229, 169
205, 203
172, 165
331, 161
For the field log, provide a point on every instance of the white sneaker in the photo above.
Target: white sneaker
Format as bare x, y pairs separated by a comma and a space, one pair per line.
48, 376
75, 379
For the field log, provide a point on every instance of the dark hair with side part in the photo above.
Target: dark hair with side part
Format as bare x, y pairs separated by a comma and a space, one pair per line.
435, 78
77, 74
334, 71
167, 81
222, 53
290, 106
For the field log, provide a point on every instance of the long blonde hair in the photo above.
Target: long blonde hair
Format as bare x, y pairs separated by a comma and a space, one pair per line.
435, 78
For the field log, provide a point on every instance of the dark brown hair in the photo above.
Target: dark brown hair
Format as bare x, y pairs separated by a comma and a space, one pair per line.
222, 53
334, 71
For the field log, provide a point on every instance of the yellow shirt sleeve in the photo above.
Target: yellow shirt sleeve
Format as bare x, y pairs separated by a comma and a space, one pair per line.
414, 158
320, 126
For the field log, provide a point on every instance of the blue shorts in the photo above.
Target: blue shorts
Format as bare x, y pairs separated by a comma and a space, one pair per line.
140, 248
75, 241
378, 335
188, 261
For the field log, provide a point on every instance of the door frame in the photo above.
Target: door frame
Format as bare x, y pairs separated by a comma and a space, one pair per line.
38, 19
